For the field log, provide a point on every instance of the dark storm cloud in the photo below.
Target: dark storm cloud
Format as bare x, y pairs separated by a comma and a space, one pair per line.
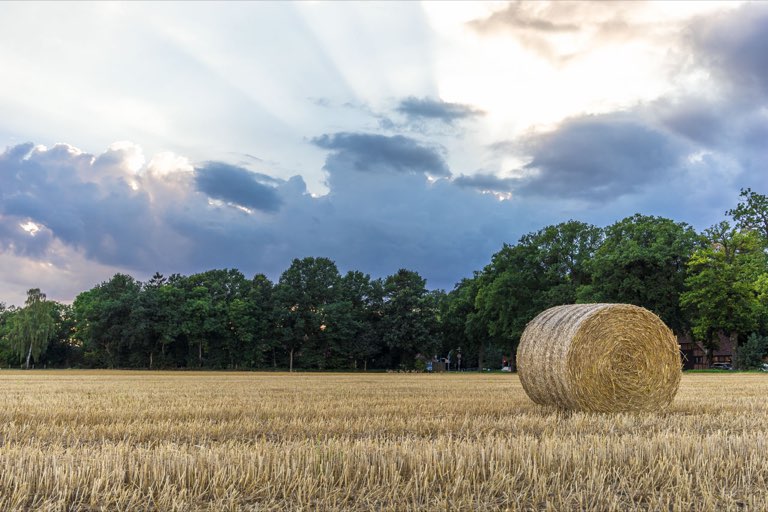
372, 221
79, 201
727, 119
428, 108
598, 158
237, 185
735, 47
486, 182
162, 220
699, 120
372, 152
14, 238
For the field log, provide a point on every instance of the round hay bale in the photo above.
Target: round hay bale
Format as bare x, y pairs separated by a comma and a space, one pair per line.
599, 357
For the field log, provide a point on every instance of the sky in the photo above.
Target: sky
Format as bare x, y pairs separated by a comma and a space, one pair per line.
180, 137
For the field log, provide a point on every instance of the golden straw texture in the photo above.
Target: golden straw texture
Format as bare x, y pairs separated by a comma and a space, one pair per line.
599, 357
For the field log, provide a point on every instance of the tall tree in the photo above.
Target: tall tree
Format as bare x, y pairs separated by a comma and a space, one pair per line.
6, 313
261, 312
148, 319
301, 298
5, 316
721, 293
105, 324
751, 214
209, 315
642, 261
409, 324
352, 321
544, 269
62, 349
32, 327
197, 321
461, 322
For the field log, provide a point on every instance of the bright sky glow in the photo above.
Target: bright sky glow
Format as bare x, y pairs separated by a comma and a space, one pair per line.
180, 136
30, 227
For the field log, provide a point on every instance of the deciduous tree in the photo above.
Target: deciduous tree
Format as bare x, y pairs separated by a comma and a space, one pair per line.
642, 261
721, 294
32, 327
301, 297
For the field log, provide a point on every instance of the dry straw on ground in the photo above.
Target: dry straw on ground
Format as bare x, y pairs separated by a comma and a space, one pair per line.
77, 441
599, 357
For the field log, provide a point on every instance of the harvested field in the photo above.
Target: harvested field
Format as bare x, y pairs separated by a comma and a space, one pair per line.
72, 440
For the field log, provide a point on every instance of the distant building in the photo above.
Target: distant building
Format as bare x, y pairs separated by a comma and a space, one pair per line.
694, 354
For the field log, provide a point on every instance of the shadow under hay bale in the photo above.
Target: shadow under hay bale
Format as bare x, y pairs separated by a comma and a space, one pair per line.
599, 357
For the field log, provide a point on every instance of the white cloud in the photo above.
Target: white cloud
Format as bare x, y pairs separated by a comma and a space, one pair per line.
61, 273
168, 162
247, 87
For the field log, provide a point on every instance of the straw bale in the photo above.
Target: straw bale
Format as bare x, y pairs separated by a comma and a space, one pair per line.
599, 357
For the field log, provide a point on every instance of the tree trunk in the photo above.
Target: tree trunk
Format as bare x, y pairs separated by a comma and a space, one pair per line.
290, 361
151, 358
480, 354
200, 354
29, 354
365, 365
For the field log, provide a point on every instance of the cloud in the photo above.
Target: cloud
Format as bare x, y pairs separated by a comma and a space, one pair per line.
18, 235
147, 221
61, 272
371, 152
698, 119
93, 204
735, 47
428, 108
560, 31
726, 115
92, 219
598, 158
520, 15
486, 182
237, 185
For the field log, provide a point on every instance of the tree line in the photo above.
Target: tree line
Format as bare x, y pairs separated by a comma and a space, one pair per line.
704, 285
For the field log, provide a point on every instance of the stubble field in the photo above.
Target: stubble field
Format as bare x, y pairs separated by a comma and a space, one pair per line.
72, 440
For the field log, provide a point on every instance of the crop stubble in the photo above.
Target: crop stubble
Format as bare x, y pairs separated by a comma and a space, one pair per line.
72, 440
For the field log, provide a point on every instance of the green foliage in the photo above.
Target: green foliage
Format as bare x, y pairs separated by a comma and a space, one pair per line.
751, 214
544, 269
461, 321
302, 297
749, 355
721, 284
106, 325
6, 354
30, 328
354, 321
408, 326
642, 261
62, 351
314, 318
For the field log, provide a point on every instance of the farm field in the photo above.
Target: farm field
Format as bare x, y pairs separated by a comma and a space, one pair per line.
99, 440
